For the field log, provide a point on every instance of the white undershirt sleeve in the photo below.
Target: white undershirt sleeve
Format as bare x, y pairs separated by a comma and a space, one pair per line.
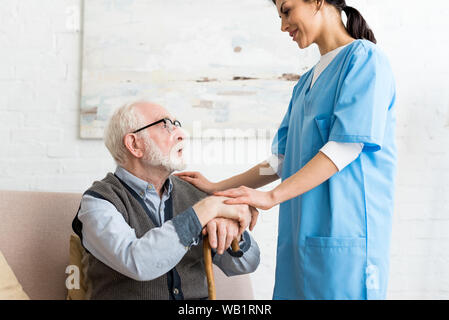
275, 162
342, 154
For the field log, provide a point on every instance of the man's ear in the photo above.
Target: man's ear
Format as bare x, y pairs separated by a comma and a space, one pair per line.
134, 145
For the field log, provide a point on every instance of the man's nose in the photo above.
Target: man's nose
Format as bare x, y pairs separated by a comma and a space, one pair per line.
179, 134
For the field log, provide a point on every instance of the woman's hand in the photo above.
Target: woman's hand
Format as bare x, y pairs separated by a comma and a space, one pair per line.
214, 207
244, 195
198, 180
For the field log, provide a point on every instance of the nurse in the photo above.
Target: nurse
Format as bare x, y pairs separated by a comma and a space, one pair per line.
336, 155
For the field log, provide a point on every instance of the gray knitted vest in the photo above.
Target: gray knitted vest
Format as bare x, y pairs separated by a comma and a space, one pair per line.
107, 283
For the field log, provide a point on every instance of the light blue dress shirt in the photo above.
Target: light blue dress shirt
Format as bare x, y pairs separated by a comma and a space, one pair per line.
108, 237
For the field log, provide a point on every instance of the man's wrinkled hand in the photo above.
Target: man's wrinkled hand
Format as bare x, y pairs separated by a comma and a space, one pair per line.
221, 233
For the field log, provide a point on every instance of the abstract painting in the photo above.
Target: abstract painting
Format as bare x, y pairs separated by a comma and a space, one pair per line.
220, 67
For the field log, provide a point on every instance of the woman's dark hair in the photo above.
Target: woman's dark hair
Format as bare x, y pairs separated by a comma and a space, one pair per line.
356, 25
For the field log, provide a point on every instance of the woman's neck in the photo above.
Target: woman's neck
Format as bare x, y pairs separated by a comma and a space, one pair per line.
333, 35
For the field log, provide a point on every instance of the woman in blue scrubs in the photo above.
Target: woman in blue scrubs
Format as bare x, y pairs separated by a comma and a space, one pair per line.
336, 206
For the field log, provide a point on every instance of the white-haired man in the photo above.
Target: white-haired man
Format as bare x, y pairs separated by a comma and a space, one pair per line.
142, 226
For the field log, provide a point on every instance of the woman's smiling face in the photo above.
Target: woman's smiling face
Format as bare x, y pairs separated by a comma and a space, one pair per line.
300, 19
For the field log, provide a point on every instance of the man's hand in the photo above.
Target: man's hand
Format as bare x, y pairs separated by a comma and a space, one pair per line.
221, 233
214, 207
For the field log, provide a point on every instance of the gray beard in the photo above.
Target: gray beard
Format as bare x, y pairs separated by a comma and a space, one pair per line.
154, 156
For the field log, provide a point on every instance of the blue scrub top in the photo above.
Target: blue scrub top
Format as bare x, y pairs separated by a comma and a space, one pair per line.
334, 241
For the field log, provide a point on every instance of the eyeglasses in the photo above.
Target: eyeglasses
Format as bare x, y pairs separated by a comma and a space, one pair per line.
168, 124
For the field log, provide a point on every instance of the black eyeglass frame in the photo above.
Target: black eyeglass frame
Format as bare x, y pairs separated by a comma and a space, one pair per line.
175, 123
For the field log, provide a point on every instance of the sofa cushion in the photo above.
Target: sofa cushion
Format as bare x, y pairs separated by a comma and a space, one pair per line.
34, 232
77, 287
10, 288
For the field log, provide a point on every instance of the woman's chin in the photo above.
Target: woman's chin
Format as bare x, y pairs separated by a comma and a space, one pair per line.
303, 44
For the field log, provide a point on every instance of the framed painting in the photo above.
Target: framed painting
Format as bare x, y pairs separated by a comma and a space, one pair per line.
221, 67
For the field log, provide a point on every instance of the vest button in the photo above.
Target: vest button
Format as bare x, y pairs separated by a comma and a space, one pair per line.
175, 291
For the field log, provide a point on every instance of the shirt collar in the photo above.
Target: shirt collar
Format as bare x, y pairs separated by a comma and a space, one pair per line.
141, 186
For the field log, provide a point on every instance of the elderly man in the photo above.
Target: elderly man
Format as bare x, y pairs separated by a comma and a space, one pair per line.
142, 226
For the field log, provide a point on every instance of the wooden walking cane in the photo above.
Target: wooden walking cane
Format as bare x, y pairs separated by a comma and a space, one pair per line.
208, 265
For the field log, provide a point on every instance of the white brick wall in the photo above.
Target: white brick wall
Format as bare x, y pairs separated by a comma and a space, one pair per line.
40, 148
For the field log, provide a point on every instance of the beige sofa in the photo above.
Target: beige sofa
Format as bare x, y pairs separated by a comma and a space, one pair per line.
35, 228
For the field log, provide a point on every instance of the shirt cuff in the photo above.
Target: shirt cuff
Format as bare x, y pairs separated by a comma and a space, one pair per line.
342, 154
188, 227
244, 244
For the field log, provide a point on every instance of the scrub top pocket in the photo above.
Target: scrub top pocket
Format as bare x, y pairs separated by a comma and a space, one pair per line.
323, 124
314, 137
321, 132
335, 268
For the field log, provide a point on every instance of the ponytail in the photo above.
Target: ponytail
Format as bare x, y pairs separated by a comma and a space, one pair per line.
355, 25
